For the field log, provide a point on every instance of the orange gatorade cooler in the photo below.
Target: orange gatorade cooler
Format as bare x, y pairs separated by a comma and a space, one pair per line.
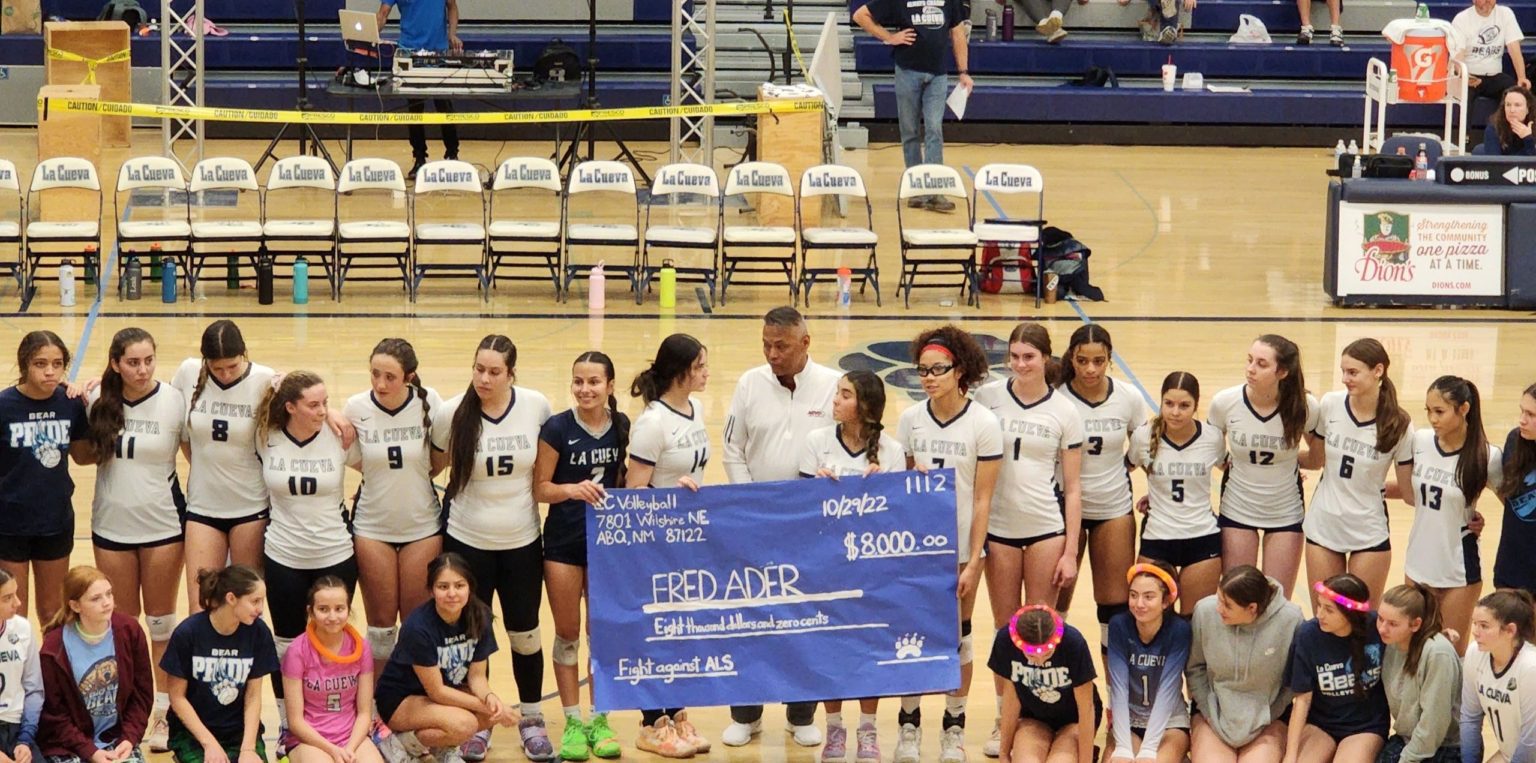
1422, 63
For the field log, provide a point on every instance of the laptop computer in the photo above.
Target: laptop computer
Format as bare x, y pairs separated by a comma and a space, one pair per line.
360, 32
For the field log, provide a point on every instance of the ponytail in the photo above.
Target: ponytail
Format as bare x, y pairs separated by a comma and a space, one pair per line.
1472, 463
214, 586
674, 362
869, 394
1513, 605
1392, 422
221, 340
106, 416
1293, 387
464, 431
1417, 602
1180, 380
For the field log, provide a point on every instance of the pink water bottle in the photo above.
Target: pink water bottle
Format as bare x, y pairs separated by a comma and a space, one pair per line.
596, 288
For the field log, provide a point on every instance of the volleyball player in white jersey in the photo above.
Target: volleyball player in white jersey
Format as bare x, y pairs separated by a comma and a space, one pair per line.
397, 524
21, 677
1498, 678
1178, 454
1110, 413
949, 430
227, 503
136, 425
1452, 463
303, 465
669, 447
1265, 420
1362, 433
855, 446
489, 437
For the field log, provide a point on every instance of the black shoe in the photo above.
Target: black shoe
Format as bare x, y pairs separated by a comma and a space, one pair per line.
940, 204
415, 168
917, 202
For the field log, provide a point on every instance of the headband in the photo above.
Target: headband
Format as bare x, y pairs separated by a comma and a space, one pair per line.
1059, 630
359, 645
1154, 571
1340, 599
938, 348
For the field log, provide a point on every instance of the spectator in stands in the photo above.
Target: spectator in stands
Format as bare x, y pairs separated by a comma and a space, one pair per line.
427, 25
1047, 16
1162, 21
1335, 31
1509, 129
1488, 29
926, 31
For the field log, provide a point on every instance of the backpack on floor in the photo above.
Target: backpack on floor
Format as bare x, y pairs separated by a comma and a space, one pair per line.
1004, 270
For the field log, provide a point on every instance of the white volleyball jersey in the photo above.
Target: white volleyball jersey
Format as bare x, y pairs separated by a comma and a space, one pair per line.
674, 443
1442, 552
824, 449
1178, 482
1262, 487
18, 658
1349, 510
225, 479
306, 480
495, 511
1506, 699
134, 500
396, 503
973, 435
1026, 502
1107, 428
768, 423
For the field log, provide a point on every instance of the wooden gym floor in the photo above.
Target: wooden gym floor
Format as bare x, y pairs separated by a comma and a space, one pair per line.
1198, 250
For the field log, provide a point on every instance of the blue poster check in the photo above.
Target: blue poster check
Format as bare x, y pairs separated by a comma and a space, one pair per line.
774, 592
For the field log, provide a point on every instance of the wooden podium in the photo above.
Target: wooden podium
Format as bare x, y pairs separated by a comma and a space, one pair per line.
93, 40
794, 140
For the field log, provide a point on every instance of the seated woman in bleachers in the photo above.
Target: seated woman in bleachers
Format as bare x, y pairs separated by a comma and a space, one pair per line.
1509, 129
1162, 21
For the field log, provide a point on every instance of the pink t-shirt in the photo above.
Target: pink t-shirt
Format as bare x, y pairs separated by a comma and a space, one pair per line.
330, 689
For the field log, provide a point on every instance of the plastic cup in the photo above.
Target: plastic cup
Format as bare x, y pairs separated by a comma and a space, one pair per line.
1170, 73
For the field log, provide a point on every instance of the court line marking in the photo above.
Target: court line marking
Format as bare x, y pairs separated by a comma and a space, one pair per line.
1156, 223
95, 311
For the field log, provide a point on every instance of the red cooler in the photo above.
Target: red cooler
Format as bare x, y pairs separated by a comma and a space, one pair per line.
1421, 63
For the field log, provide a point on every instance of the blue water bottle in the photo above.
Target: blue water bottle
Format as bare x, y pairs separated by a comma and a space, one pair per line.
300, 281
168, 281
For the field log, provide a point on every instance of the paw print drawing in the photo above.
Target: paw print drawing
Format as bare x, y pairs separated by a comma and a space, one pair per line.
909, 646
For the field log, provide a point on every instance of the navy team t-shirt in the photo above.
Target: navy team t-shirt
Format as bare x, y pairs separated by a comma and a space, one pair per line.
1512, 566
1045, 691
217, 669
932, 20
1321, 664
425, 641
582, 457
35, 486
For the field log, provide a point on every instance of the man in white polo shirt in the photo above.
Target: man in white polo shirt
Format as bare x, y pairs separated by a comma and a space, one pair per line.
774, 407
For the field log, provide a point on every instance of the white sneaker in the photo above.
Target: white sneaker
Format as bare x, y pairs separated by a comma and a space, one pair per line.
158, 736
952, 745
807, 735
740, 734
447, 755
908, 748
994, 743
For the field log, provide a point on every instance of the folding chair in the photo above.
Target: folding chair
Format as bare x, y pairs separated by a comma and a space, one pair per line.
61, 236
365, 239
10, 224
298, 187
455, 185
1024, 233
232, 229
771, 248
520, 238
922, 249
820, 187
610, 179
150, 206
674, 184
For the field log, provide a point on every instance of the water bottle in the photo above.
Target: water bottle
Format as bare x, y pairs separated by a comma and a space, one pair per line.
597, 297
67, 284
1339, 150
844, 287
133, 280
991, 25
1353, 149
1356, 171
155, 254
1008, 23
1422, 14
1421, 164
231, 272
264, 279
300, 281
168, 281
668, 284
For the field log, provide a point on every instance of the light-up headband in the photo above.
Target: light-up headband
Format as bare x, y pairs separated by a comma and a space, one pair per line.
1154, 571
1059, 629
1340, 599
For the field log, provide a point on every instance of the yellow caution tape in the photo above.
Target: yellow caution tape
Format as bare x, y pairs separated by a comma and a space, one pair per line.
90, 63
805, 71
152, 111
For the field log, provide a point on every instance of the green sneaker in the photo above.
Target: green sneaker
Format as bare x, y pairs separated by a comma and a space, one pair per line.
604, 743
573, 742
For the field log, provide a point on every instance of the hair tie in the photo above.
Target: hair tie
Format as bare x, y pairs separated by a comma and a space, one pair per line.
358, 645
1059, 629
939, 348
1340, 599
1154, 571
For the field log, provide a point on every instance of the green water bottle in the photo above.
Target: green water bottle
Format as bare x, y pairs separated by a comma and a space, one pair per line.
668, 284
1422, 14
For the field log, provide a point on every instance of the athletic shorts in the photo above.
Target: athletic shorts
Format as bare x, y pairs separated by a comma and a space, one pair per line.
225, 525
1057, 723
565, 538
1231, 524
107, 544
288, 592
1183, 552
1392, 752
37, 548
1089, 525
186, 749
1340, 736
1385, 545
1023, 543
400, 546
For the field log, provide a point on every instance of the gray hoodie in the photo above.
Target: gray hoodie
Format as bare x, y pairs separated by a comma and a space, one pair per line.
1424, 704
1235, 674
